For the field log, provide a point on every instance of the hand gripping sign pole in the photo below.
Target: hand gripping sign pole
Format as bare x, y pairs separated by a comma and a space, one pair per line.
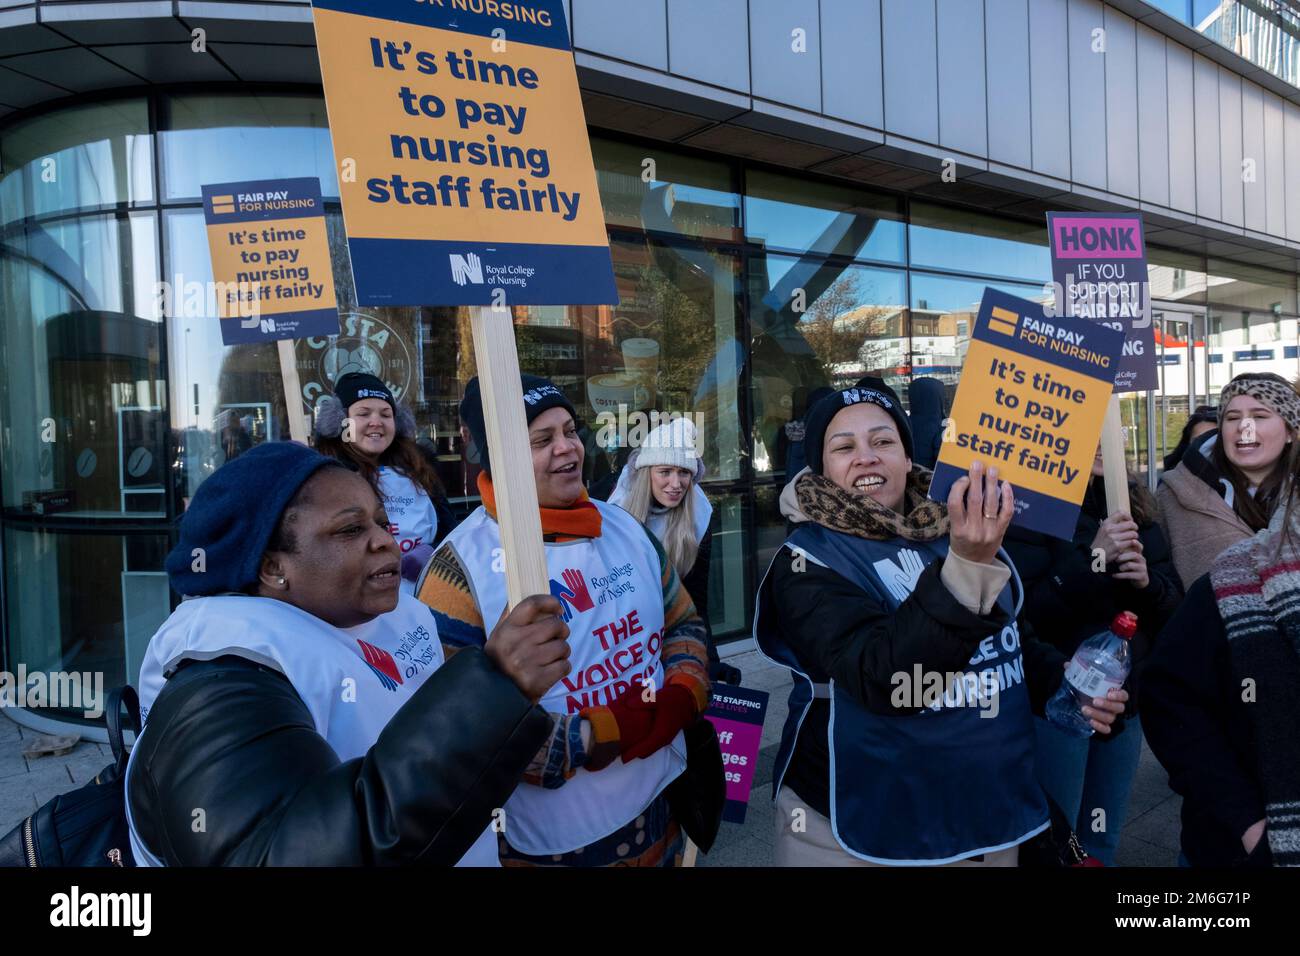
1113, 462
518, 516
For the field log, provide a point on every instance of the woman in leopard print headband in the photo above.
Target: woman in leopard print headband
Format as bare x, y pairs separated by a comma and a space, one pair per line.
1228, 486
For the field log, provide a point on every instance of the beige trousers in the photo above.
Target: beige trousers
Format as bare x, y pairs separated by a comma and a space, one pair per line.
816, 845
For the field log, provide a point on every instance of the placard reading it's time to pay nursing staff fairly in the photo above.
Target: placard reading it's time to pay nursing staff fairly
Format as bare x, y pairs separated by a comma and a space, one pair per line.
270, 260
1031, 401
736, 714
465, 169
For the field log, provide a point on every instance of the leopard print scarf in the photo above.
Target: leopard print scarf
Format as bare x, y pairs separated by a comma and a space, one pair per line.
830, 506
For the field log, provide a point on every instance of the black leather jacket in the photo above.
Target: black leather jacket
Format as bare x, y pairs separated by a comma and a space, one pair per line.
234, 739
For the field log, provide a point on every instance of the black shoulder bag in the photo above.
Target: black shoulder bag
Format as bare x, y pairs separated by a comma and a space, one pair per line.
86, 826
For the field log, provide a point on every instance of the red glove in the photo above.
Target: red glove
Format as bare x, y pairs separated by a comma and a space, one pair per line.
618, 726
675, 708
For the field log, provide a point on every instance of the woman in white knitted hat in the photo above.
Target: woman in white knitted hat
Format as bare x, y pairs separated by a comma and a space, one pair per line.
660, 488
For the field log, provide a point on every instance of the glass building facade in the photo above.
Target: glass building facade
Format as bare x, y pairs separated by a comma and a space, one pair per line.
1265, 32
755, 286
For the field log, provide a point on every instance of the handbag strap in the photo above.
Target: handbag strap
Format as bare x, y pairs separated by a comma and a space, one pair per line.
116, 698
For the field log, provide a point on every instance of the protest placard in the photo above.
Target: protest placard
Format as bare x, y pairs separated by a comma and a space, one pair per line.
270, 260
1032, 397
1099, 267
466, 178
465, 168
271, 271
737, 715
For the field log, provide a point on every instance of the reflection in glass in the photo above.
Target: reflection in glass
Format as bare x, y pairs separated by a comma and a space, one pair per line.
728, 560
818, 322
1242, 341
1251, 287
663, 192
85, 602
670, 347
77, 158
1176, 276
782, 212
229, 137
945, 238
83, 387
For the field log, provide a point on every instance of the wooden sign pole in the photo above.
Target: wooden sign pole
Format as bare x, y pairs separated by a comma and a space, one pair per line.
497, 358
1114, 465
292, 391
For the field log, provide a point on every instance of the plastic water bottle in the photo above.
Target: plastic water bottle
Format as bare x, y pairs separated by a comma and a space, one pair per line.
1101, 663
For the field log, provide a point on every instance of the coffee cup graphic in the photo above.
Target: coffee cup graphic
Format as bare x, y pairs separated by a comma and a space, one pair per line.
641, 361
607, 392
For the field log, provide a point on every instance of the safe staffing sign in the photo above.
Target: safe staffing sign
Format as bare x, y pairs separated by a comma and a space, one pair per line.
1031, 401
465, 170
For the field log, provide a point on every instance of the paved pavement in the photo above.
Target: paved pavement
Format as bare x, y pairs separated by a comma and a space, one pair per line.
1150, 837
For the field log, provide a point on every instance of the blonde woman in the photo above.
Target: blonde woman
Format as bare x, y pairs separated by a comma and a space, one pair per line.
660, 488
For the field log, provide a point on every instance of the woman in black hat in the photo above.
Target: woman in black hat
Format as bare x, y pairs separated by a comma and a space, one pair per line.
909, 739
363, 426
298, 710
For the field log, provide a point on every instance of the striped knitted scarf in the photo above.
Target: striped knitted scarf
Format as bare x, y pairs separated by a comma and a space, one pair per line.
1257, 587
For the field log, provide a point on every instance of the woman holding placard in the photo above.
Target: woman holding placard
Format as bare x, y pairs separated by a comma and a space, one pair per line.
909, 740
362, 425
1073, 590
598, 792
1229, 483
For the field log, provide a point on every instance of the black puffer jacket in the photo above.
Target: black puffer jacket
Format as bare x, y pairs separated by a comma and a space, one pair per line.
234, 739
1067, 602
840, 633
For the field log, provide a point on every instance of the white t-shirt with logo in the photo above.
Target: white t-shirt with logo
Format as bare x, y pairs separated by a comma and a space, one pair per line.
411, 515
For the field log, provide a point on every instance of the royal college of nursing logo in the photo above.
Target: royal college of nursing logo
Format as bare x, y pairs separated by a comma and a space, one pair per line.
382, 663
468, 268
573, 593
365, 344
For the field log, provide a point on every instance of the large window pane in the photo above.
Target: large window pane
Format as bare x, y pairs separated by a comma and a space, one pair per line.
84, 602
962, 241
796, 215
79, 157
943, 312
665, 192
671, 345
224, 138
1244, 341
1251, 287
817, 323
1176, 276
83, 390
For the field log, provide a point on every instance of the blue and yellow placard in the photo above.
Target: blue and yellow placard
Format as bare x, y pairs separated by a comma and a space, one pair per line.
464, 164
1031, 401
270, 260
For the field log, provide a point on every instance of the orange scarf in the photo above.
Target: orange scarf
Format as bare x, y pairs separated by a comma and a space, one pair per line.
580, 520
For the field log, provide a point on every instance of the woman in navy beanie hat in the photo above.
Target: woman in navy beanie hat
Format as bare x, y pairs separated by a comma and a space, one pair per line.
297, 692
233, 515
